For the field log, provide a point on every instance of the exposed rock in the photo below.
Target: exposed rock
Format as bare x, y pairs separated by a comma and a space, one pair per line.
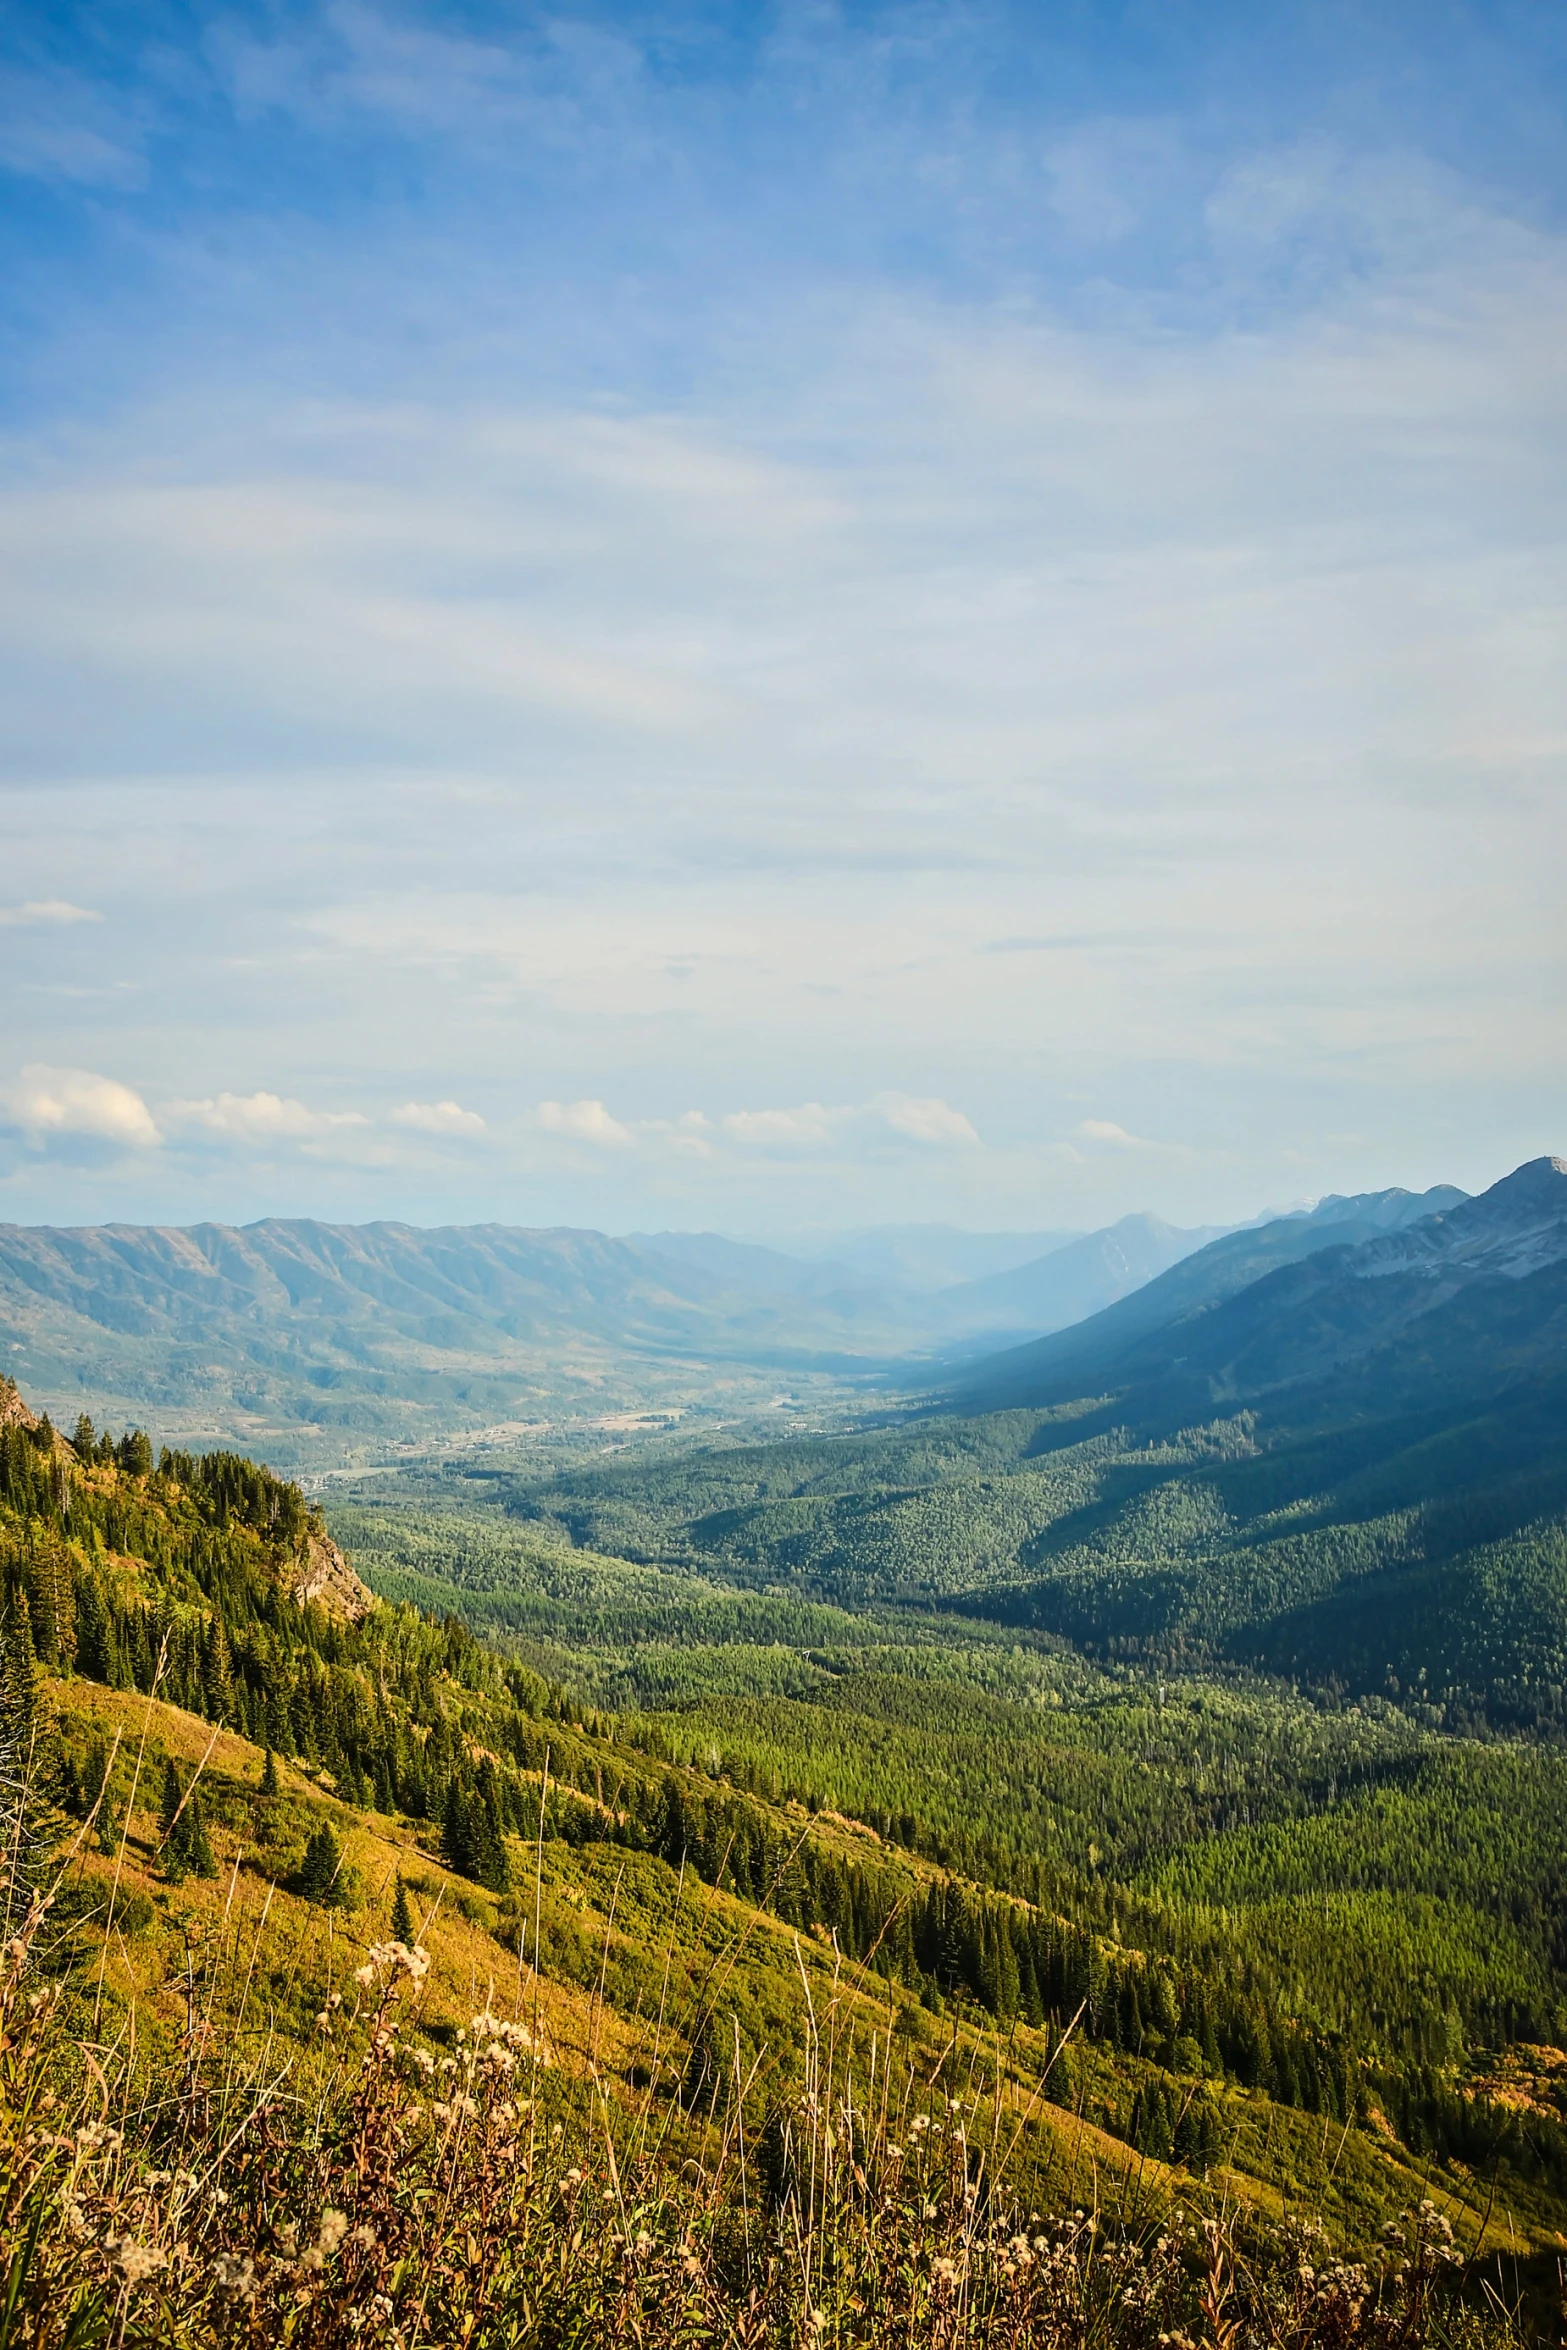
13, 1411
326, 1577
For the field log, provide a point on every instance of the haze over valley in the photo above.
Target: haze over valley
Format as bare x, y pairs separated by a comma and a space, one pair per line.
319, 1343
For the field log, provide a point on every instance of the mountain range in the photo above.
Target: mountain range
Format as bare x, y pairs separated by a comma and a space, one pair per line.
1334, 1448
393, 1331
387, 1332
1419, 1295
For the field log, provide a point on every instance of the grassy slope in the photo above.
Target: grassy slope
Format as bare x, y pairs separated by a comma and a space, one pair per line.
625, 1922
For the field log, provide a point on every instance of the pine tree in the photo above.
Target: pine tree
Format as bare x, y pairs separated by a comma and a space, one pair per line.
173, 1797
135, 1453
320, 1876
492, 1867
196, 1843
270, 1782
217, 1672
403, 1927
186, 1846
94, 1632
458, 1843
1199, 2134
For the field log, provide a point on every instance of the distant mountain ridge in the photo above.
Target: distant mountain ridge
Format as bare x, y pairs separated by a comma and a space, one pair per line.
1132, 1338
1080, 1278
924, 1256
1332, 1448
395, 1331
245, 1331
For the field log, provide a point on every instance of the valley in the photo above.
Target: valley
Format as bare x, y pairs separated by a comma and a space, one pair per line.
1154, 1780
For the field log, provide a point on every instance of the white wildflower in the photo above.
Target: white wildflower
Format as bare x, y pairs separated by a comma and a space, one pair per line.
136, 2262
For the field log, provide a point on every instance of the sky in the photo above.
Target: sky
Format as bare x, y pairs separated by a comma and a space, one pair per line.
779, 617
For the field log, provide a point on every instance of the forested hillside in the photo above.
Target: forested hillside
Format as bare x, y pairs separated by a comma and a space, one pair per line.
1350, 1472
1194, 1941
1426, 1297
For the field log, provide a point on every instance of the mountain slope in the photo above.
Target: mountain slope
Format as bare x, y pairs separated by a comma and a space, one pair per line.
299, 1334
700, 1882
1128, 1338
926, 1256
298, 1325
1072, 1282
1350, 1469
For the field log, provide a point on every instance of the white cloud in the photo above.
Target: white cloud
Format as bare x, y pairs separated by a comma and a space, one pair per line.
1113, 1137
1201, 626
438, 1118
925, 1119
46, 1102
261, 1118
45, 910
810, 1127
584, 1121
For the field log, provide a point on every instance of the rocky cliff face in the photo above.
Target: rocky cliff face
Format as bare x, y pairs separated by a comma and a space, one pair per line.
13, 1411
326, 1577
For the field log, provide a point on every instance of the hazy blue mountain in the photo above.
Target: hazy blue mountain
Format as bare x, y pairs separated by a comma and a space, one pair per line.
394, 1331
1071, 1282
1130, 1340
927, 1256
1340, 1454
389, 1328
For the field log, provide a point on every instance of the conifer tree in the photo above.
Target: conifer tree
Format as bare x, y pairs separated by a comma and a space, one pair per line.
186, 1846
135, 1453
217, 1672
192, 1831
173, 1797
95, 1642
270, 1782
320, 1876
403, 1927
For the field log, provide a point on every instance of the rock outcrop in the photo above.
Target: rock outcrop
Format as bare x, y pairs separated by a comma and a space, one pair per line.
326, 1578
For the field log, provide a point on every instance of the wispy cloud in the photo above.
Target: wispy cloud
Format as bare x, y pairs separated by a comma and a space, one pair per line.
1109, 1136
59, 126
923, 1119
45, 912
584, 1121
900, 542
804, 1127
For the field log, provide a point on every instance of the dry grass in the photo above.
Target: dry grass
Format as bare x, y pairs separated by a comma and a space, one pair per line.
232, 2183
254, 2128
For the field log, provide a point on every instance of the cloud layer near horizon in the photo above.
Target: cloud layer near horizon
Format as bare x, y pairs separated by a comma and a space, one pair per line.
946, 650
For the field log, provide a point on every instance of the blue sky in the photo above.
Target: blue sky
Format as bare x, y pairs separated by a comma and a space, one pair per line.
778, 616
